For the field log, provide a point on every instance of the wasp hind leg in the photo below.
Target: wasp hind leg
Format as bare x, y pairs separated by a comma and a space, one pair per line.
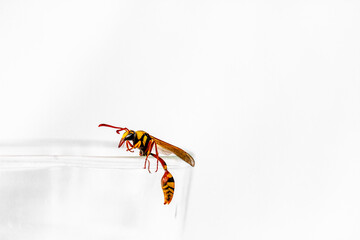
157, 158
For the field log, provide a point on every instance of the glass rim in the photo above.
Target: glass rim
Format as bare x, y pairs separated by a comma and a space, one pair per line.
71, 152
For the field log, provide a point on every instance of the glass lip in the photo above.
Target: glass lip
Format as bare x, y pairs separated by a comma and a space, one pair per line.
35, 153
107, 162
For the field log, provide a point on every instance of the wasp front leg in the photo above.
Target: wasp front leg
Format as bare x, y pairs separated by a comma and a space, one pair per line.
130, 149
133, 146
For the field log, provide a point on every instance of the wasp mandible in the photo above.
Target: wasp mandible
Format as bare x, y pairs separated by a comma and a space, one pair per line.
146, 144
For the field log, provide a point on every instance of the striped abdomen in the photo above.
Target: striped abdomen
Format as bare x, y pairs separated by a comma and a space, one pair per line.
168, 186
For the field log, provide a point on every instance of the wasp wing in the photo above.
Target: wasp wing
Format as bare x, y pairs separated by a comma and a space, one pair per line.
167, 148
164, 151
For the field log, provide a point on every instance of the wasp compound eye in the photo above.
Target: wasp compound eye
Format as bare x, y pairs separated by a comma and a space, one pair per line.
130, 136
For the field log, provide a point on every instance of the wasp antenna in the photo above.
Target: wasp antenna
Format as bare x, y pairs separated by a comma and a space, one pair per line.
107, 125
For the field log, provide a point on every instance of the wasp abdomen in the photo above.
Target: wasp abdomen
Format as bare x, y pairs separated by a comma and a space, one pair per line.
168, 186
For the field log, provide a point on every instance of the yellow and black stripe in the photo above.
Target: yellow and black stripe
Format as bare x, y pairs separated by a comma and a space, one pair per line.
168, 186
141, 141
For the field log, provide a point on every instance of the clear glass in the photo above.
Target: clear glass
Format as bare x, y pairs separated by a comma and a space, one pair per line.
64, 190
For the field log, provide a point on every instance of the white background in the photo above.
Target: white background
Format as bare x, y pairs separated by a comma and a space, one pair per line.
264, 93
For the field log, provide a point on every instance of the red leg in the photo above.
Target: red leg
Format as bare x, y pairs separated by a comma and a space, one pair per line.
145, 163
127, 146
157, 154
133, 146
160, 160
148, 151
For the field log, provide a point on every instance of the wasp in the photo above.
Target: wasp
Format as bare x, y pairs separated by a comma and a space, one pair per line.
150, 145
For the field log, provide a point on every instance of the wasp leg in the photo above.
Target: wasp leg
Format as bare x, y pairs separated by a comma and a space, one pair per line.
129, 148
152, 143
135, 146
157, 154
148, 152
148, 162
163, 164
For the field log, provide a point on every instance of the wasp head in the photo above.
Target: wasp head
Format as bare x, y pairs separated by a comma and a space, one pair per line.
129, 135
